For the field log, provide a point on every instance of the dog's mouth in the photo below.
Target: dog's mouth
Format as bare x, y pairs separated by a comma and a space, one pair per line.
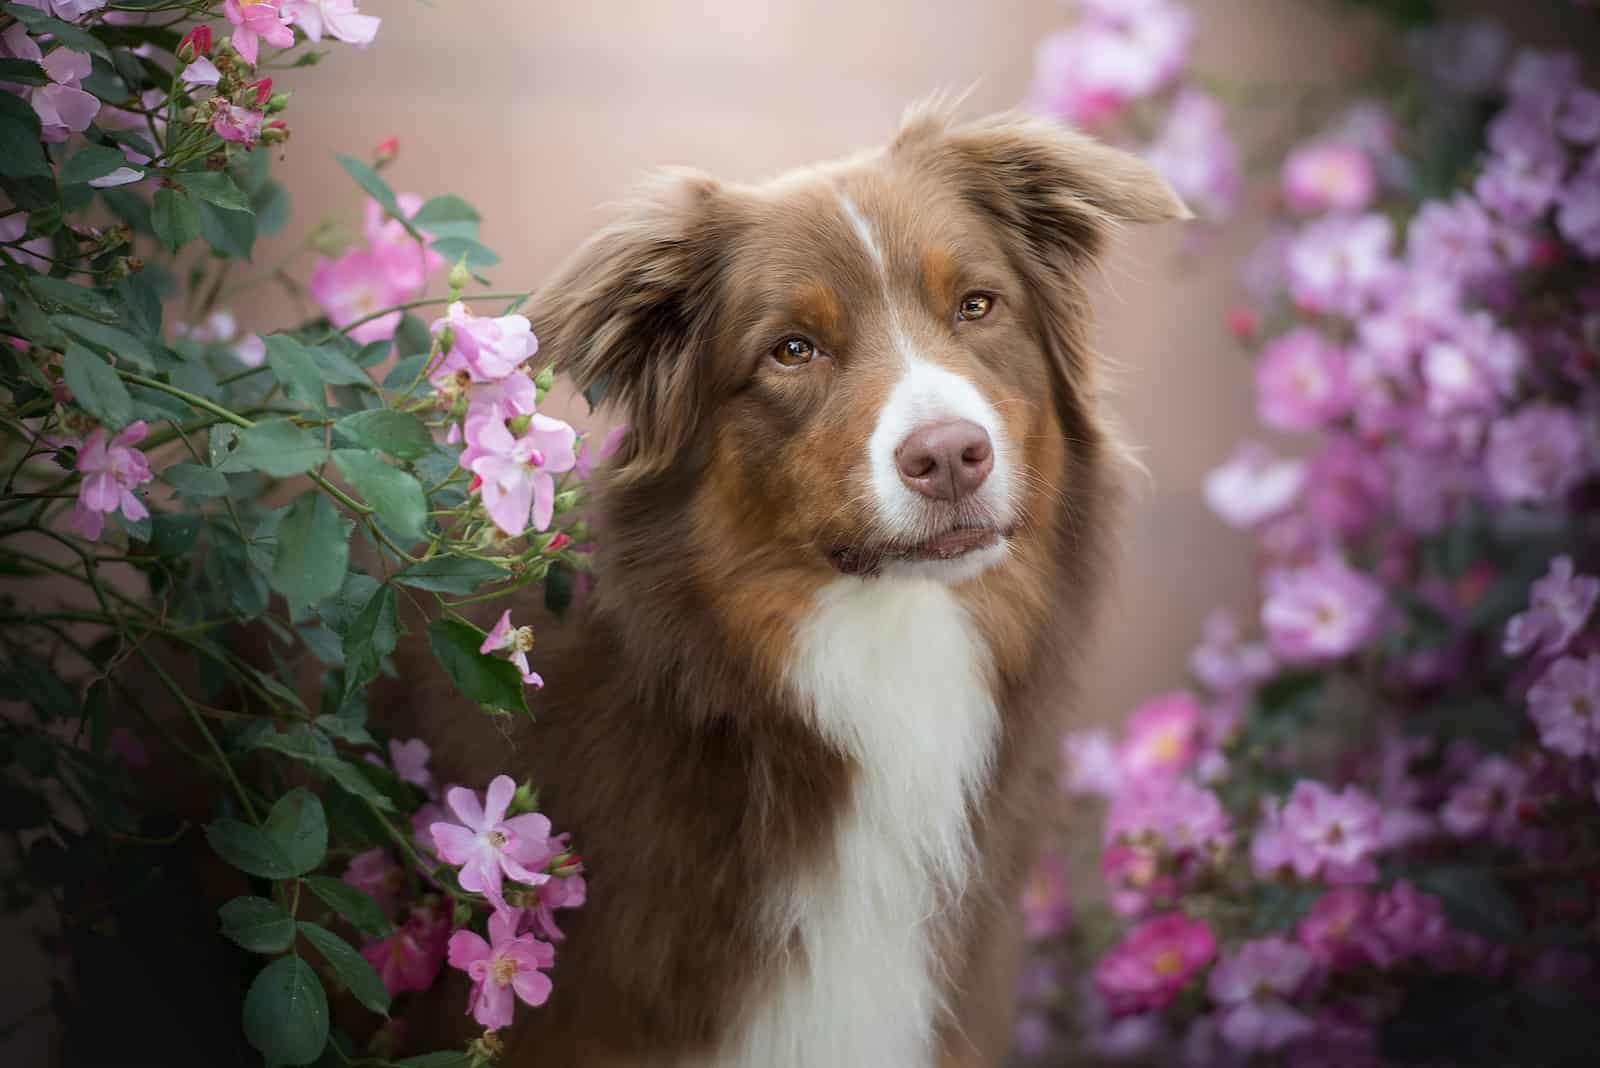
950, 544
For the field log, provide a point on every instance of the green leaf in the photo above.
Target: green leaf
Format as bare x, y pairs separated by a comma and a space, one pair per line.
59, 295
229, 233
277, 447
96, 387
396, 495
486, 680
247, 848
23, 72
354, 905
292, 364
192, 480
313, 550
175, 218
350, 966
558, 587
300, 829
448, 1058
93, 162
338, 369
1473, 901
103, 337
400, 435
379, 190
451, 574
312, 749
286, 1013
215, 187
476, 254
445, 210
257, 924
374, 635
21, 155
66, 33
341, 610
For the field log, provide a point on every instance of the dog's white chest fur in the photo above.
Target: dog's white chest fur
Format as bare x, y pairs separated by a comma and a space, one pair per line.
897, 674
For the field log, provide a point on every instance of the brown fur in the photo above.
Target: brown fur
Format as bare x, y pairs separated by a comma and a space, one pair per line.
667, 741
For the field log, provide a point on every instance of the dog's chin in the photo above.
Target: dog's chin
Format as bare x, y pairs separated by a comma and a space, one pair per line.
951, 557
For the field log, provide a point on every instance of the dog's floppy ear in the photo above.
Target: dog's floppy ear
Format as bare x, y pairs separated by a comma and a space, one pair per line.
625, 316
1063, 191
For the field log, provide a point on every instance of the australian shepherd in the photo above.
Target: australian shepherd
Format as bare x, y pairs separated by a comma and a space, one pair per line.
804, 731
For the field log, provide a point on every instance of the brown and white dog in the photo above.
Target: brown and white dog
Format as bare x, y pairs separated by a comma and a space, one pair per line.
805, 731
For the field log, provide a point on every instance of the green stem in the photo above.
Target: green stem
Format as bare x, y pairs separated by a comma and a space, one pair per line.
205, 732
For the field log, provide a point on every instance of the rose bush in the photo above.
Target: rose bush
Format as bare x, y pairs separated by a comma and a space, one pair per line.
170, 485
1372, 834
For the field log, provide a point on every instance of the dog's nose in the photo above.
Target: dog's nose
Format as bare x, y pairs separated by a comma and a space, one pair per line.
945, 461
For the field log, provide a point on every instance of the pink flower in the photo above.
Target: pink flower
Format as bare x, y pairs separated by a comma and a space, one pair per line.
1565, 706
589, 457
505, 964
1089, 763
1558, 606
490, 847
338, 18
1336, 265
1046, 906
1225, 663
517, 472
376, 873
409, 960
1194, 153
487, 349
1321, 612
561, 892
1328, 176
513, 641
251, 350
1118, 53
409, 262
255, 21
1252, 987
238, 125
1319, 834
110, 472
1578, 208
1301, 381
196, 44
1153, 964
63, 109
1338, 931
359, 283
1409, 924
410, 762
1538, 455
1163, 736
1253, 486
1487, 802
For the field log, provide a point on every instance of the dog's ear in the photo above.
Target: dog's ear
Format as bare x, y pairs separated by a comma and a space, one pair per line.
1063, 191
626, 315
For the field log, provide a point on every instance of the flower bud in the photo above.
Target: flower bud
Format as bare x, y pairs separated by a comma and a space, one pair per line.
447, 338
262, 90
566, 501
565, 865
276, 103
195, 43
579, 531
462, 915
386, 151
545, 379
558, 541
274, 133
526, 799
459, 276
519, 425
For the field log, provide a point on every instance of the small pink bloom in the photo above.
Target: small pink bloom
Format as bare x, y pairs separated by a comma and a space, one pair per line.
589, 458
410, 762
518, 485
1302, 382
1089, 763
1317, 833
1226, 663
110, 471
339, 19
195, 44
255, 21
1559, 604
1338, 931
1252, 987
1565, 706
1328, 176
251, 350
1486, 803
1153, 964
507, 963
240, 126
1409, 924
376, 873
1194, 153
1321, 612
1046, 906
490, 847
409, 960
1163, 735
1253, 486
487, 349
515, 642
561, 892
359, 283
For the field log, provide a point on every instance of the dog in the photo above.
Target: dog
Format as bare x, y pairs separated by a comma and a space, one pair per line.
804, 731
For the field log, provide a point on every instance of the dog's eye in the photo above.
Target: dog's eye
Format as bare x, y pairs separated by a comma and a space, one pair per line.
975, 306
794, 351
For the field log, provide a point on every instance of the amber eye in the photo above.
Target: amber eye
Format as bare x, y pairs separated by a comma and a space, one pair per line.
794, 351
975, 306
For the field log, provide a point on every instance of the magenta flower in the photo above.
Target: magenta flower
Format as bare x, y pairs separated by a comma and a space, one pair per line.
507, 963
1301, 381
1578, 208
410, 762
561, 892
1538, 455
487, 349
1328, 176
1224, 662
1194, 153
1153, 963
589, 457
490, 848
1337, 265
255, 21
407, 262
1486, 803
1253, 986
1410, 924
376, 873
339, 19
1161, 818
110, 471
1322, 612
515, 642
1046, 904
1559, 605
241, 126
1253, 486
1565, 706
1115, 55
516, 473
1338, 932
408, 961
1317, 833
359, 283
1162, 736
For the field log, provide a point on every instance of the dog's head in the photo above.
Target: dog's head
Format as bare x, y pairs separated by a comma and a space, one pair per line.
874, 367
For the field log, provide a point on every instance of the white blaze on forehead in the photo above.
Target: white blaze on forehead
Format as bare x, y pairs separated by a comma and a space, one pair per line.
864, 231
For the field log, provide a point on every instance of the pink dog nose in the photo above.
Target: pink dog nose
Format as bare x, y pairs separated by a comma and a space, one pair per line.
945, 461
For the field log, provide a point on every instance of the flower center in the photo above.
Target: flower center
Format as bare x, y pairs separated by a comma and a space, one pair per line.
503, 970
498, 839
1167, 963
1335, 834
522, 639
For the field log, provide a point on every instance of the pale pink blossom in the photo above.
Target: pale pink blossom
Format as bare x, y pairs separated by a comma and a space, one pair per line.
339, 19
251, 350
1329, 176
505, 964
1301, 381
1338, 265
1565, 706
1559, 604
1253, 987
1537, 455
408, 961
241, 126
1089, 763
1162, 736
514, 642
410, 762
1253, 486
200, 72
1226, 663
1338, 932
1117, 54
1321, 612
255, 21
517, 473
1317, 833
1486, 803
376, 873
561, 892
409, 261
1197, 157
1046, 904
488, 349
489, 847
110, 470
356, 285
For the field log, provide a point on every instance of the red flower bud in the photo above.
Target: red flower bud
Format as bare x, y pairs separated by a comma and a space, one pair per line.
1243, 322
559, 542
195, 43
386, 150
263, 91
477, 481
